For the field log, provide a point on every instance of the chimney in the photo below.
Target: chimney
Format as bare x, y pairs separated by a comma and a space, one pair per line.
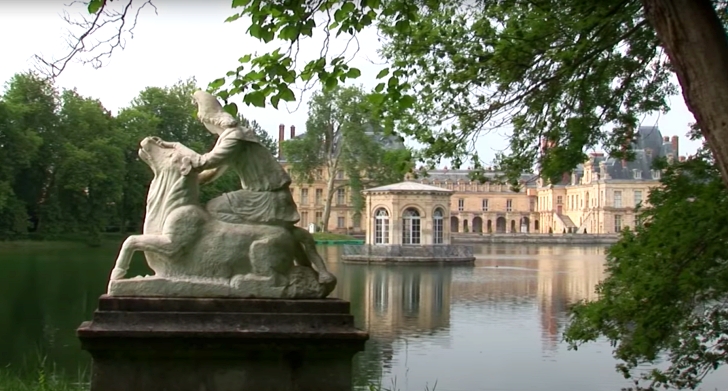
666, 139
293, 131
682, 158
281, 136
675, 145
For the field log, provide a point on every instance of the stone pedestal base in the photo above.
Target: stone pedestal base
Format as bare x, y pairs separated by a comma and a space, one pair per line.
175, 344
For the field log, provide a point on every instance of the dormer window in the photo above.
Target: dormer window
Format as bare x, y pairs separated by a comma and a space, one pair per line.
637, 173
656, 174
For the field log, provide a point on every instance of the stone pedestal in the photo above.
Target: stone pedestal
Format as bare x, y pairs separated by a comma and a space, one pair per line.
178, 344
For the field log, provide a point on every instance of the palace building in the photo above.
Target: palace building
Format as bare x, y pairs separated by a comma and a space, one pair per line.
598, 197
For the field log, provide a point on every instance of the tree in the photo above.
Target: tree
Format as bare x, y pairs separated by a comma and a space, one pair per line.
18, 148
341, 137
558, 72
31, 105
169, 113
667, 284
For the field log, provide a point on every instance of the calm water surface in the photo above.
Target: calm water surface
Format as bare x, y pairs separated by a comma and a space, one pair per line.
495, 326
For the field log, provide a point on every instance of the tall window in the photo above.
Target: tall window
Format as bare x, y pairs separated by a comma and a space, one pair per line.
340, 222
319, 196
509, 205
411, 226
340, 196
461, 204
304, 196
559, 200
637, 198
339, 174
381, 226
617, 223
304, 219
319, 217
438, 226
617, 199
485, 204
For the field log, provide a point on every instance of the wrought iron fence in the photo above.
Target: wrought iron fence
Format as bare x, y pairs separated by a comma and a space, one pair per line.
395, 250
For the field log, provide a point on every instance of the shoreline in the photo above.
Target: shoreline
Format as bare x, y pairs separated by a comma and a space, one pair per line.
575, 239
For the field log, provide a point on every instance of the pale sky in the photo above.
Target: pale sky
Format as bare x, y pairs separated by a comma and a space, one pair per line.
190, 39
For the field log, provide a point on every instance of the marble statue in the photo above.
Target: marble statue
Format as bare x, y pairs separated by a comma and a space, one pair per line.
241, 244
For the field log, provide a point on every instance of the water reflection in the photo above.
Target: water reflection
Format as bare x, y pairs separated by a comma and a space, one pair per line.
495, 326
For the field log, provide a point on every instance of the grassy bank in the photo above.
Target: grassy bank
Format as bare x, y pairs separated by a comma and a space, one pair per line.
330, 236
56, 241
335, 239
41, 380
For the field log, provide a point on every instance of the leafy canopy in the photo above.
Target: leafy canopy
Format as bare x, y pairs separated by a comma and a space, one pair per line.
342, 135
555, 71
667, 285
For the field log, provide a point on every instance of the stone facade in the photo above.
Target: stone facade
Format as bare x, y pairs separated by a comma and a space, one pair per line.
407, 213
599, 196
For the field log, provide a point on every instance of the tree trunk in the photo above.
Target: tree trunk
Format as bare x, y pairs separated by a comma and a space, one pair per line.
329, 197
696, 43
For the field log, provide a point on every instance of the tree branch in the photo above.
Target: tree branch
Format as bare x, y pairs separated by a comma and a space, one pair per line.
120, 22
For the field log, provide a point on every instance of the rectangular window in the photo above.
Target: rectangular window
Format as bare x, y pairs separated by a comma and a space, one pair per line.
509, 205
340, 196
319, 174
411, 230
532, 204
559, 200
304, 196
437, 230
339, 174
485, 204
319, 196
304, 219
617, 223
461, 204
319, 217
637, 198
617, 199
341, 222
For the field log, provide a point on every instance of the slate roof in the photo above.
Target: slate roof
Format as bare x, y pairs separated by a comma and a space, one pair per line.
647, 146
409, 186
454, 176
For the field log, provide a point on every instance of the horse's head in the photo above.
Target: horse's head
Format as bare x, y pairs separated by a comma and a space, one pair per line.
176, 160
175, 183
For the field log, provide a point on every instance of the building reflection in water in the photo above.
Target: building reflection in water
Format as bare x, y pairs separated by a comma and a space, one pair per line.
511, 285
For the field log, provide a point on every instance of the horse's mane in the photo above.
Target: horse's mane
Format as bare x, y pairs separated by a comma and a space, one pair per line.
168, 190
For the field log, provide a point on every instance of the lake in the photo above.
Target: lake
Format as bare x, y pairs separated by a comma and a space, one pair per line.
495, 326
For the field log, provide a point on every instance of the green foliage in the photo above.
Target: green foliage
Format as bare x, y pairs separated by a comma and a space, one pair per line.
665, 294
342, 136
575, 73
67, 166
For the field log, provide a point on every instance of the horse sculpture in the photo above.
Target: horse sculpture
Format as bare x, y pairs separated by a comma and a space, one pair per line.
193, 254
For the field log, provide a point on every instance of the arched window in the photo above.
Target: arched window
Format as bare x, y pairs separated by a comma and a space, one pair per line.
411, 226
438, 234
381, 226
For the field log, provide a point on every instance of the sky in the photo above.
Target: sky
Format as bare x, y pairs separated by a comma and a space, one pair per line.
190, 39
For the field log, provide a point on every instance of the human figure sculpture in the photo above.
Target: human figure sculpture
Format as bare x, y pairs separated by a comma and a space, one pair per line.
242, 244
265, 196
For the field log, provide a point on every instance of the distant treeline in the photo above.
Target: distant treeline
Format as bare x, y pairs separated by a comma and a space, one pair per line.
68, 166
